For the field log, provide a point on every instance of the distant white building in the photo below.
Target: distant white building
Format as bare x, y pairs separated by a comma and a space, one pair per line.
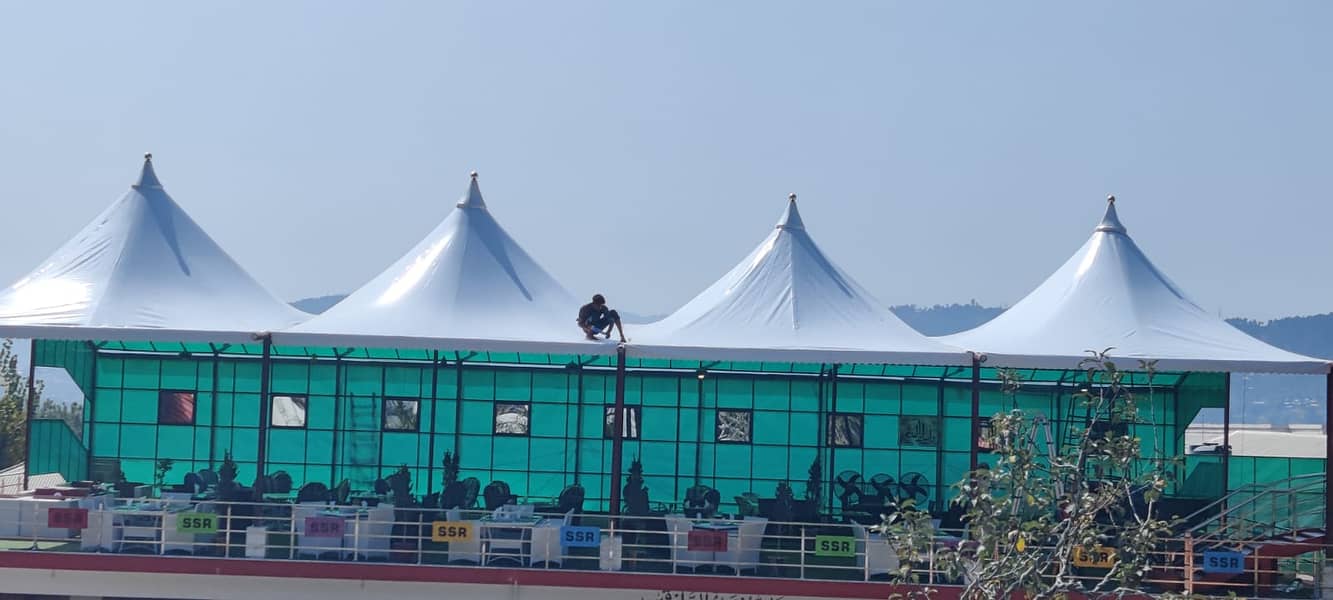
1286, 441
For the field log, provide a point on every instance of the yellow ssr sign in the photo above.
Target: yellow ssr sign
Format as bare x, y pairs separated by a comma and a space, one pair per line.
1100, 557
452, 531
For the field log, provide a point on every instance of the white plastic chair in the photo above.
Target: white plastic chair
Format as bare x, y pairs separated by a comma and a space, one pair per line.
101, 532
546, 544
374, 532
504, 541
466, 551
306, 545
173, 540
681, 555
874, 554
743, 545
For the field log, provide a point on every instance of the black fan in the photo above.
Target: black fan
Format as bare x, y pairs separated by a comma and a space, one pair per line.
850, 484
884, 485
915, 487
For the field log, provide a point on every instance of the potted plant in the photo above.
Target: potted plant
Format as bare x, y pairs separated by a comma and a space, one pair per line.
453, 493
808, 509
160, 471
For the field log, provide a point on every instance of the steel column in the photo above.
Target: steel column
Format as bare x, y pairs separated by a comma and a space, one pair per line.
617, 439
265, 373
976, 410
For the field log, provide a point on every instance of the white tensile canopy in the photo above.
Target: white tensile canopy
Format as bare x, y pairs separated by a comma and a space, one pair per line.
466, 285
1109, 295
787, 302
142, 270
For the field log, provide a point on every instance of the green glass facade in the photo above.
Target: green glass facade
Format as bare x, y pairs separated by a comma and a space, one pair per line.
539, 422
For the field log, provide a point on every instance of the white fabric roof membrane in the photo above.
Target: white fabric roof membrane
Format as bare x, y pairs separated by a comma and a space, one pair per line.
467, 285
142, 270
1109, 295
787, 302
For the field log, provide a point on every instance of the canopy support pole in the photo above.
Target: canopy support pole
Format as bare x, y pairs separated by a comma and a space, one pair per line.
976, 410
578, 421
30, 412
1328, 449
90, 403
337, 414
832, 445
434, 406
265, 368
458, 408
1226, 439
617, 434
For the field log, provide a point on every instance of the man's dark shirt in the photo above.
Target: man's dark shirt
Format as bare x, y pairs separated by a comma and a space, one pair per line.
590, 311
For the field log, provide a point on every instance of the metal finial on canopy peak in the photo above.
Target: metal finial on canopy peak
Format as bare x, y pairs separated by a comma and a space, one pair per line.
1111, 221
791, 218
148, 156
473, 197
147, 176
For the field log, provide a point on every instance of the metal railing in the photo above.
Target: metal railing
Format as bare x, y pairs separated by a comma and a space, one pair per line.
582, 542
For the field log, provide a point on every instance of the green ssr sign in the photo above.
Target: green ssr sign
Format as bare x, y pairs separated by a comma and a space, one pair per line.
196, 523
835, 545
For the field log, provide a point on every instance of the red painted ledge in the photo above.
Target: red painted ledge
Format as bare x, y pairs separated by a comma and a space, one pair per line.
458, 574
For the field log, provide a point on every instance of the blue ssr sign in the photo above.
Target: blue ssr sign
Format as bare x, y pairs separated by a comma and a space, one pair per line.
1223, 561
580, 537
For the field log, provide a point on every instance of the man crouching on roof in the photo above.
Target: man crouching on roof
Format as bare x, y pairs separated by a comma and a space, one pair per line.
595, 318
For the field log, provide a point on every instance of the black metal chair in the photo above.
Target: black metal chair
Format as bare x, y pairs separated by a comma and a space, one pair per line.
471, 489
313, 492
701, 502
497, 494
280, 483
571, 498
209, 477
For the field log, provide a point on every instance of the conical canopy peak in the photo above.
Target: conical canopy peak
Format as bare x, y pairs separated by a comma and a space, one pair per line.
791, 218
1110, 221
147, 177
473, 197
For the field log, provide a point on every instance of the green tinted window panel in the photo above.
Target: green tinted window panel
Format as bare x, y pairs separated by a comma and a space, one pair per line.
549, 421
287, 445
106, 406
138, 470
510, 452
880, 431
245, 444
141, 374
769, 462
958, 401
406, 381
957, 434
919, 399
138, 406
879, 461
513, 385
247, 376
804, 395
106, 440
319, 412
291, 378
804, 429
203, 442
734, 392
110, 372
553, 386
478, 383
245, 410
175, 441
883, 398
770, 427
400, 448
850, 398
138, 441
549, 454
180, 374
661, 391
772, 394
733, 460
478, 417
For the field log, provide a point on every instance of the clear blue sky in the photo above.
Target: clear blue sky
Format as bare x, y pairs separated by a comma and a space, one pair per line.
942, 152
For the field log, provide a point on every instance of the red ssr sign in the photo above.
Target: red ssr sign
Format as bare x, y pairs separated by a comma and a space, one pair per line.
703, 540
67, 518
